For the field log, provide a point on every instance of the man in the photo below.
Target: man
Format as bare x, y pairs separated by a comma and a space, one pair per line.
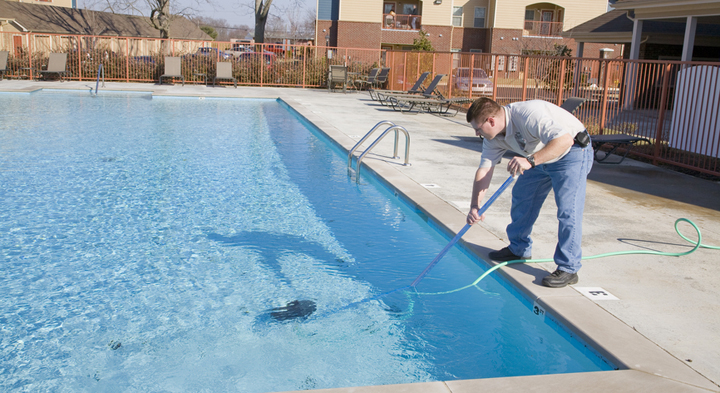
555, 154
413, 20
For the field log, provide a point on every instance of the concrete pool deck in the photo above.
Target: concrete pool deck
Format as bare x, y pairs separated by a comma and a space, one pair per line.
662, 332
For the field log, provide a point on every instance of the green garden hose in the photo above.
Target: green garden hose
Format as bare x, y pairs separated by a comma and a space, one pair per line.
697, 244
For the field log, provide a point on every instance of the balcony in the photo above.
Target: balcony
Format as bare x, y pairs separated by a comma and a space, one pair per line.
402, 22
538, 28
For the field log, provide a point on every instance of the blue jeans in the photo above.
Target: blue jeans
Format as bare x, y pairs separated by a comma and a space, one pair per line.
567, 178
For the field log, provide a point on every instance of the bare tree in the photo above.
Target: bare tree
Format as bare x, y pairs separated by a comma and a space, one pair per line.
262, 9
222, 27
161, 12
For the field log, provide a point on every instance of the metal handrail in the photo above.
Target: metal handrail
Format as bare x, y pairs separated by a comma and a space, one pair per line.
388, 122
97, 83
392, 128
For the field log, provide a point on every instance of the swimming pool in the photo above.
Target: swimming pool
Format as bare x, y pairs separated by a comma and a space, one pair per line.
143, 250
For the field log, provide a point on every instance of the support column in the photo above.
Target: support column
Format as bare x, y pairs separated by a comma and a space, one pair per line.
636, 38
631, 73
689, 42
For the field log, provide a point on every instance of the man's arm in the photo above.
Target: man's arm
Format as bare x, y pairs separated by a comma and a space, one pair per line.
552, 150
480, 186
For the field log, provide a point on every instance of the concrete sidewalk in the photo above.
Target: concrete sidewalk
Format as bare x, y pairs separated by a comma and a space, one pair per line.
663, 329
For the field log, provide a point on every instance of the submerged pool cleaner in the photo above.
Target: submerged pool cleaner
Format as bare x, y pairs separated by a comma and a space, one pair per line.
296, 309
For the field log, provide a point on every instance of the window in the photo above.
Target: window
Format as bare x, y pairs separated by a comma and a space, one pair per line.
475, 50
388, 7
410, 9
529, 14
479, 17
457, 16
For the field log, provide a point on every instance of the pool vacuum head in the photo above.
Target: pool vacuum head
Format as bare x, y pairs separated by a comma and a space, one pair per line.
296, 309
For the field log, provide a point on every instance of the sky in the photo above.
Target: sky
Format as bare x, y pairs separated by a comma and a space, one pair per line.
239, 12
235, 12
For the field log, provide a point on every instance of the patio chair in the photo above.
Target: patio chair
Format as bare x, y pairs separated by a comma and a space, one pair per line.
337, 74
415, 89
56, 65
370, 78
224, 71
172, 69
3, 63
381, 78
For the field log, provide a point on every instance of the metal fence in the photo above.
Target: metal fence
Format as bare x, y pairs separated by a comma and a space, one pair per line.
129, 59
673, 104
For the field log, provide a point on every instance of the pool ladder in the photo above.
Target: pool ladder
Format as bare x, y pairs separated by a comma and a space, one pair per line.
393, 127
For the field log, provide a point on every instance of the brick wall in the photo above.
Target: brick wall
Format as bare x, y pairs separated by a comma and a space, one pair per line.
403, 37
466, 39
440, 36
331, 29
358, 35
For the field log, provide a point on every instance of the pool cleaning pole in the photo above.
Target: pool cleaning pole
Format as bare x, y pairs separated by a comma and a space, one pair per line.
462, 231
438, 257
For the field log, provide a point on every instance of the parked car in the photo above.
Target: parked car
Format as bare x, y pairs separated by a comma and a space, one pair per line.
275, 48
213, 52
481, 84
268, 58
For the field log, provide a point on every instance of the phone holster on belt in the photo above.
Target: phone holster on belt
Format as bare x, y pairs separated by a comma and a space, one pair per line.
582, 139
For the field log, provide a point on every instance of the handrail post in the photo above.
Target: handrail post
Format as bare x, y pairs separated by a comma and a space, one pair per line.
525, 78
127, 59
79, 50
495, 75
304, 65
661, 115
603, 110
561, 82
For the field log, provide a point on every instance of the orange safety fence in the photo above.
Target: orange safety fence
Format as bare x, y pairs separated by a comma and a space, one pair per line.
675, 105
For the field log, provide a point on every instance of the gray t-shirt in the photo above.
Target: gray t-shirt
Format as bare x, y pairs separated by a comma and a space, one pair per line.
530, 126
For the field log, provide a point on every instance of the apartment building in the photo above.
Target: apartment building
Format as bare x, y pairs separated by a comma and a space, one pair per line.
497, 26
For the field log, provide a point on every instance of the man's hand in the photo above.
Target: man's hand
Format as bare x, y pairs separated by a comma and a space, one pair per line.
518, 165
473, 217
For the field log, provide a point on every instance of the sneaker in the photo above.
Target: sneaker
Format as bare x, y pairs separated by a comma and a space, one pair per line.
504, 255
559, 279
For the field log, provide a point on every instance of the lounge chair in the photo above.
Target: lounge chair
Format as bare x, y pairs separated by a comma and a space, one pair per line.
56, 65
572, 104
615, 141
337, 74
224, 71
428, 92
172, 69
415, 89
3, 63
431, 101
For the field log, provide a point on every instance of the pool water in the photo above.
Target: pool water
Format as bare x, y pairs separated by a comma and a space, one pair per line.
143, 241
